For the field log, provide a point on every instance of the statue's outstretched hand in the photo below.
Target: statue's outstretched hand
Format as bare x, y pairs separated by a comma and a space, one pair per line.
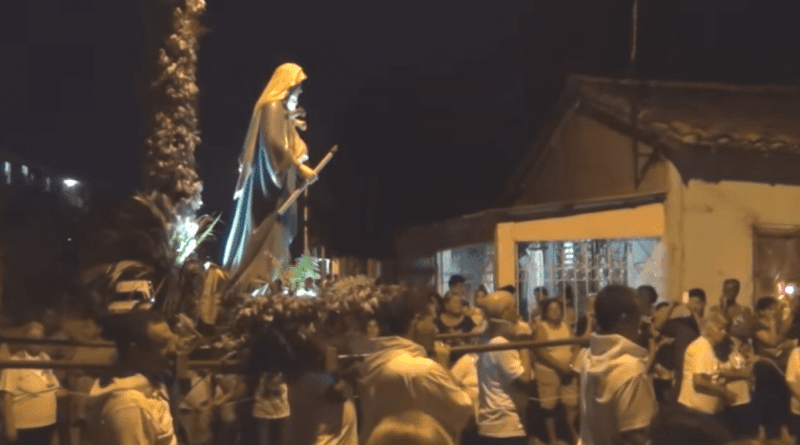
308, 173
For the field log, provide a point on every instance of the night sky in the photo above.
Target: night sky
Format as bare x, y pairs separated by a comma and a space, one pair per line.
432, 103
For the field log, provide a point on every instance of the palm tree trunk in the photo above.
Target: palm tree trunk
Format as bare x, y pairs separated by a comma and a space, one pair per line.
172, 31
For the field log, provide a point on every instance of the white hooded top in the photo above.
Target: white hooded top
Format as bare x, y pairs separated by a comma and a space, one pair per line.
616, 393
132, 408
400, 377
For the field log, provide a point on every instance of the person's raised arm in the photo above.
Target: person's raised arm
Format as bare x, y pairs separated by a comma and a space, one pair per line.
769, 335
785, 323
661, 319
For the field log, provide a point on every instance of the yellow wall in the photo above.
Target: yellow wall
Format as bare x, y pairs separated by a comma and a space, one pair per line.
716, 225
639, 222
709, 227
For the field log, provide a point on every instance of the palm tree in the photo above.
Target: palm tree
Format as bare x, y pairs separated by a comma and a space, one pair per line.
172, 45
153, 234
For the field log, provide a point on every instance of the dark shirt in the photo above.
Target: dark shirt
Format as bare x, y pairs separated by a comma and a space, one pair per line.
523, 308
778, 355
666, 356
464, 326
645, 334
684, 330
581, 326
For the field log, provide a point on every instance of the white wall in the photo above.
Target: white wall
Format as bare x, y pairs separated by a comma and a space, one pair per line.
710, 231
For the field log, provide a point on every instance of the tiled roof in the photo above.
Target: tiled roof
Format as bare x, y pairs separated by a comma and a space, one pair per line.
703, 115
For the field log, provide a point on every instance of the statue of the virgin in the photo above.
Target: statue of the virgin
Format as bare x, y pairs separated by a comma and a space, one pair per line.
270, 168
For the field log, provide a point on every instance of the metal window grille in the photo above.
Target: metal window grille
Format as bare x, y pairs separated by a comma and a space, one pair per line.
582, 266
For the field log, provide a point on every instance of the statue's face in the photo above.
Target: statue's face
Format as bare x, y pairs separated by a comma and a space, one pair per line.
293, 98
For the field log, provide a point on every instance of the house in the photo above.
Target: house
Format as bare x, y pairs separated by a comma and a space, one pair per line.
668, 183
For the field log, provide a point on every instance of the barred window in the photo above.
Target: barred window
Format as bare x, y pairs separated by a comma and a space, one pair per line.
580, 268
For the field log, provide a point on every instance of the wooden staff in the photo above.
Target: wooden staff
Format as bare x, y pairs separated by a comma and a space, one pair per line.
57, 342
334, 361
181, 365
296, 194
524, 344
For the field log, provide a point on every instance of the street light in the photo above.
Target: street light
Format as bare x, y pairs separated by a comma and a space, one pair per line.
69, 183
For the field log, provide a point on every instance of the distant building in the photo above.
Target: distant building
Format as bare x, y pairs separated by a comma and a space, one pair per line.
39, 211
21, 177
674, 184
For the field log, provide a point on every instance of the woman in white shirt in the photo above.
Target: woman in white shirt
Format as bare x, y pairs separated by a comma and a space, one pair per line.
555, 379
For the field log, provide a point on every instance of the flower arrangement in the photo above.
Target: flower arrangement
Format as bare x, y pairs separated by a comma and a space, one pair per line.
281, 330
351, 295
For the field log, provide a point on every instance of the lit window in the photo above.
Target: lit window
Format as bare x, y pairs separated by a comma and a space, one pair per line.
7, 171
24, 170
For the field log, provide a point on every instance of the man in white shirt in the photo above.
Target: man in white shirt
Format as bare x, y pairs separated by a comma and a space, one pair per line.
399, 376
503, 377
617, 400
701, 387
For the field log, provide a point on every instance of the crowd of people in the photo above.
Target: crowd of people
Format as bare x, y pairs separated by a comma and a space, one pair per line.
641, 369
633, 369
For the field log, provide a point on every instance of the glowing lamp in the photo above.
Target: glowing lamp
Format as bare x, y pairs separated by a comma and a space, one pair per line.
69, 182
789, 289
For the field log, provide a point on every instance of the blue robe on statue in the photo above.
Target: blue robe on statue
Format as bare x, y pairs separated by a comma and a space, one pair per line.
258, 238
